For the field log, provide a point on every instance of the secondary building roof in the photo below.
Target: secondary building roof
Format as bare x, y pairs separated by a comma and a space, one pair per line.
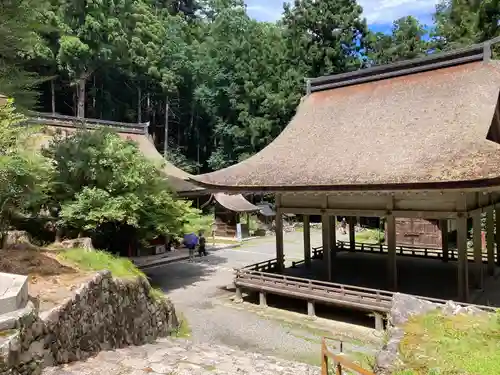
424, 123
235, 202
177, 178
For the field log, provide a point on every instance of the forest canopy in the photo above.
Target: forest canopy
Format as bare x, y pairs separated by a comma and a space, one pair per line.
217, 84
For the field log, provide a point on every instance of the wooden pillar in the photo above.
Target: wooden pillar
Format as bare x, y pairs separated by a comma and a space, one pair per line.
325, 225
352, 233
333, 236
392, 270
463, 272
478, 251
497, 234
443, 224
279, 235
490, 228
307, 241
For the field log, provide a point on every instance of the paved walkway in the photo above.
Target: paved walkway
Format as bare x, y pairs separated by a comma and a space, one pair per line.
180, 357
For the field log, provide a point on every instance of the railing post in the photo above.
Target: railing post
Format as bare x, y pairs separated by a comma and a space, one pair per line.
262, 299
338, 369
379, 321
310, 309
324, 359
239, 296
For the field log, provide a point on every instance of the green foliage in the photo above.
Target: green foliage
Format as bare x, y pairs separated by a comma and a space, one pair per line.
196, 222
463, 22
100, 261
325, 37
460, 344
22, 172
100, 178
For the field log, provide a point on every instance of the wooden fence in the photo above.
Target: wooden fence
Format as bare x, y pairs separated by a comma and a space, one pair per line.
340, 362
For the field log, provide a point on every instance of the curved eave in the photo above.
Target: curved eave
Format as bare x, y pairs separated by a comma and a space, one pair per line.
450, 185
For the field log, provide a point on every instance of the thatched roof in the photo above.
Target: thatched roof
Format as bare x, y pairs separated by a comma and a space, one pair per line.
177, 178
235, 202
412, 125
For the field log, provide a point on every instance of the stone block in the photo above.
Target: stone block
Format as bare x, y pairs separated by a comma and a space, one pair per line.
13, 292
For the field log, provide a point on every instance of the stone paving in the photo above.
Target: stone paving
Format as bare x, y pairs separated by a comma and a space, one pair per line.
181, 357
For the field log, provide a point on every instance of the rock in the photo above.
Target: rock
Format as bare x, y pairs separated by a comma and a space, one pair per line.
404, 306
18, 240
80, 243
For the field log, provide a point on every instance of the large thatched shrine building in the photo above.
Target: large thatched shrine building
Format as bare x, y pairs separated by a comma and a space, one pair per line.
413, 139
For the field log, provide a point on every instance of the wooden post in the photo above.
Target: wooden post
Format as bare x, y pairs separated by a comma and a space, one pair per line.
478, 251
279, 235
444, 239
325, 226
239, 296
307, 241
352, 234
463, 272
310, 309
333, 236
490, 228
392, 270
379, 321
497, 234
262, 299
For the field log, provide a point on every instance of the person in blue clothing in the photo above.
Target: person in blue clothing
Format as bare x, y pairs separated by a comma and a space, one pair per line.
190, 241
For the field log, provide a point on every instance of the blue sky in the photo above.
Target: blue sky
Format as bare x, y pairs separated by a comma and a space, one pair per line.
379, 13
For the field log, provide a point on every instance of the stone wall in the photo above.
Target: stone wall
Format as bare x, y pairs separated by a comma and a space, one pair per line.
403, 307
103, 314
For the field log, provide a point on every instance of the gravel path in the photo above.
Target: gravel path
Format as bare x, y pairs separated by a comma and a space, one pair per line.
197, 291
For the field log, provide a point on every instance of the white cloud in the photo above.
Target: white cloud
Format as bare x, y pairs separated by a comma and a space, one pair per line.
375, 11
386, 11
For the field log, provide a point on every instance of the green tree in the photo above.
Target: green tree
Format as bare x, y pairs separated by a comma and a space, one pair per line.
92, 33
325, 37
464, 22
104, 184
19, 27
408, 39
23, 173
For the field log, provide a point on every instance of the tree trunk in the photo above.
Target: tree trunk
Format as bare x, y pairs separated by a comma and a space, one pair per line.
94, 97
139, 110
81, 95
53, 96
148, 106
165, 144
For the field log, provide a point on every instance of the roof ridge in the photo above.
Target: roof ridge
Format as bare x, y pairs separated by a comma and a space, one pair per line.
86, 123
476, 52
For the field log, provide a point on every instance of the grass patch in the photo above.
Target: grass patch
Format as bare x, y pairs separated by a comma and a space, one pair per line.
371, 236
449, 345
100, 261
184, 330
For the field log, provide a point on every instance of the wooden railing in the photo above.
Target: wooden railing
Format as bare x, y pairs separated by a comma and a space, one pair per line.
402, 250
266, 265
340, 362
314, 290
359, 298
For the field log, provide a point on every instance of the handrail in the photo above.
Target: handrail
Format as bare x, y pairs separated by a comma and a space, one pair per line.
329, 291
402, 250
340, 361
